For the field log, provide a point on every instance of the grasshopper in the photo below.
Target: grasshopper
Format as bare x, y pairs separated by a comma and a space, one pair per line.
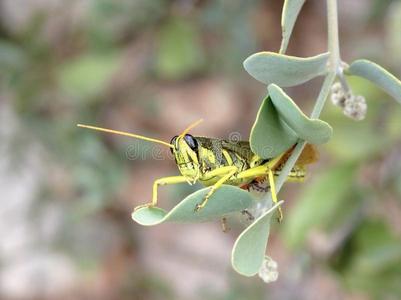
214, 162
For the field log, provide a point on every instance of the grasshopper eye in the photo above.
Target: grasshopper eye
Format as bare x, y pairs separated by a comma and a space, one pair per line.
192, 143
172, 142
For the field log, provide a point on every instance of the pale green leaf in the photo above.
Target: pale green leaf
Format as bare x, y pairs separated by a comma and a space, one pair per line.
227, 199
284, 70
378, 75
314, 131
249, 249
270, 135
289, 16
280, 123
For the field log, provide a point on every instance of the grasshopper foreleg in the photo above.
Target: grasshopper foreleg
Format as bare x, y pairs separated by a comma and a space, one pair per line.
226, 173
162, 181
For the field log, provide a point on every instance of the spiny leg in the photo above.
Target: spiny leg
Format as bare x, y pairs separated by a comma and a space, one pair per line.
162, 181
227, 172
259, 171
274, 195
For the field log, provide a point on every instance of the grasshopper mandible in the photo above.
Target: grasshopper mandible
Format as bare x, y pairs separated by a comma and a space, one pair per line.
214, 162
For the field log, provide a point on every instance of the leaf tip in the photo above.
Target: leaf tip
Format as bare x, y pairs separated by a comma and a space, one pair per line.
148, 216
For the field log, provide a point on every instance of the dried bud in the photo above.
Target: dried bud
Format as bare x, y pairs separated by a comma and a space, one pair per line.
355, 107
336, 87
338, 99
337, 94
349, 96
268, 271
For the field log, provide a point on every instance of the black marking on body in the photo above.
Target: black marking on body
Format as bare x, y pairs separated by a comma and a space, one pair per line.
258, 186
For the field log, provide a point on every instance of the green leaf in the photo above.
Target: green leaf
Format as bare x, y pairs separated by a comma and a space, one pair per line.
87, 75
280, 123
249, 249
371, 260
289, 16
319, 202
227, 199
284, 70
180, 51
378, 75
314, 131
376, 248
270, 135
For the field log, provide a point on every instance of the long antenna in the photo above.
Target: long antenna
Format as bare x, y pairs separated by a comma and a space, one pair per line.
194, 124
126, 134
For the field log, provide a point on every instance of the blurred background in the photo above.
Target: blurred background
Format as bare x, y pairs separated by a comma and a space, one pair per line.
153, 67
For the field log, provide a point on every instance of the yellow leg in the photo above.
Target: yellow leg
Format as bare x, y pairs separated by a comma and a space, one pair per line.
274, 194
260, 171
226, 173
162, 181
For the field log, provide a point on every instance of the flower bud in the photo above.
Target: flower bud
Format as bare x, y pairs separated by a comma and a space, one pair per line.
355, 107
268, 271
336, 87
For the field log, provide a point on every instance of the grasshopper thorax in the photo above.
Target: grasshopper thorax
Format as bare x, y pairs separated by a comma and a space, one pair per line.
186, 153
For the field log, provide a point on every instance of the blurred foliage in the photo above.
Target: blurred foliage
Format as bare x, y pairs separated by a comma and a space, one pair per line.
76, 65
86, 76
179, 53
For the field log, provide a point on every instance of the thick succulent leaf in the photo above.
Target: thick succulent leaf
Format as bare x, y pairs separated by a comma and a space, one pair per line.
270, 135
249, 249
280, 123
227, 199
378, 75
289, 16
313, 131
284, 70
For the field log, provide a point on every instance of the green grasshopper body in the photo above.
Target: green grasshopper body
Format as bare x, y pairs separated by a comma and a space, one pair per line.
214, 162
198, 158
208, 154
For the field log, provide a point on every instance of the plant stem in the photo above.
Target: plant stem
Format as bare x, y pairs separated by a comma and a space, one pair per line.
334, 69
332, 33
343, 81
324, 92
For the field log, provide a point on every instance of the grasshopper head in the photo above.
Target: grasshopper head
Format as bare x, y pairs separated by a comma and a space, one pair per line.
185, 151
184, 147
